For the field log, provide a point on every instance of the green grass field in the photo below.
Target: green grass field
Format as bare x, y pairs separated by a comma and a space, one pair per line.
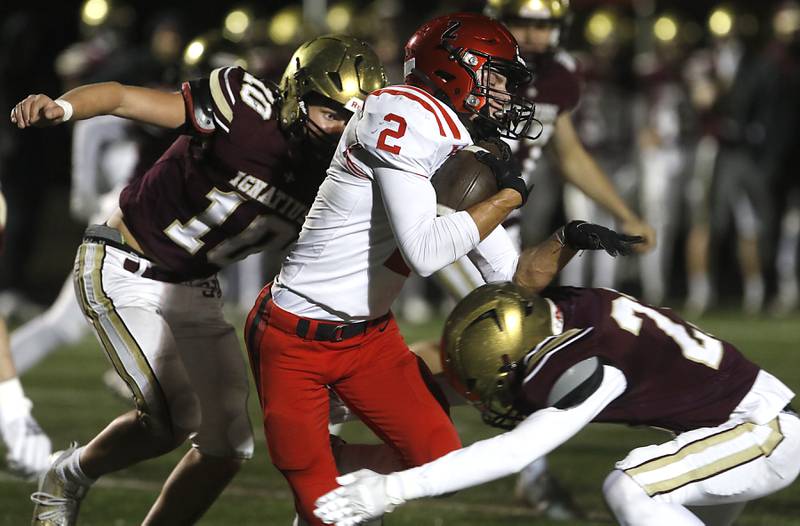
72, 404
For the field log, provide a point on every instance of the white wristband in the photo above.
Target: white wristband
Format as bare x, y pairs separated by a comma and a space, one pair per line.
13, 403
67, 107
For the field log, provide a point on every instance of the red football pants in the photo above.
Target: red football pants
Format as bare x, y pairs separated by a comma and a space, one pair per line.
375, 374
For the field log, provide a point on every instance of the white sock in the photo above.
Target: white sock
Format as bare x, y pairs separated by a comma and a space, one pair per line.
753, 294
70, 469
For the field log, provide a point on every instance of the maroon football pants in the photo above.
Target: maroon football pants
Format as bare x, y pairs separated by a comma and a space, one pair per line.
374, 373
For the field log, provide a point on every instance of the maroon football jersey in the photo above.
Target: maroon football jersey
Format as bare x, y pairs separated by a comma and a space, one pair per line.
555, 88
230, 190
679, 377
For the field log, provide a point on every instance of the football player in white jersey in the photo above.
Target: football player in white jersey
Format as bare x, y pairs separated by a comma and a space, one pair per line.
326, 320
27, 446
146, 280
555, 89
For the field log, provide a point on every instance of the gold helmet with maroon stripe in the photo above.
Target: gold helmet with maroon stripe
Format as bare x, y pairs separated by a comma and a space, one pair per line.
528, 9
341, 68
485, 337
524, 13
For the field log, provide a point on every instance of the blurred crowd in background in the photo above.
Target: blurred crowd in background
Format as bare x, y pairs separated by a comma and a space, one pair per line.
691, 108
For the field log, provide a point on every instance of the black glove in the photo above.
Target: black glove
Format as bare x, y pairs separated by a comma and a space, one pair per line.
507, 173
581, 235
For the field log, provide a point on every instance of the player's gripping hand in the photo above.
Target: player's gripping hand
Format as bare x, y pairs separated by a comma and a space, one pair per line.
37, 110
581, 235
507, 172
28, 446
637, 227
363, 495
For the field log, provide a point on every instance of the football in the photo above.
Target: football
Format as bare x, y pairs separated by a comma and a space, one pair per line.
463, 181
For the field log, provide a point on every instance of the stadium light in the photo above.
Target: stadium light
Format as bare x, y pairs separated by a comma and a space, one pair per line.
194, 52
720, 22
665, 29
338, 18
94, 12
599, 28
236, 24
284, 26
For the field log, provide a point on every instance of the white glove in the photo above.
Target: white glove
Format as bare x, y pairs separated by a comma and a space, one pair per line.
364, 495
28, 446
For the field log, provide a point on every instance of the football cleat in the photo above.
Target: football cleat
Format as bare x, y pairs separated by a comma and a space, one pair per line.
28, 447
57, 501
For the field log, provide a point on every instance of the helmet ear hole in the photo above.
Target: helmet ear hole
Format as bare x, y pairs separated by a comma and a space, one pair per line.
445, 76
336, 79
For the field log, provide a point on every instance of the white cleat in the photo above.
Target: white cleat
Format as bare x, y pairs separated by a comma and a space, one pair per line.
57, 502
28, 447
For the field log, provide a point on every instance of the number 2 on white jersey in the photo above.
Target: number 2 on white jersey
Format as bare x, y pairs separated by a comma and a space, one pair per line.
394, 134
698, 347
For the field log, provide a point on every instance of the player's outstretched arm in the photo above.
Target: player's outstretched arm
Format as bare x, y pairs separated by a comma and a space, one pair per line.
365, 495
539, 265
579, 168
165, 109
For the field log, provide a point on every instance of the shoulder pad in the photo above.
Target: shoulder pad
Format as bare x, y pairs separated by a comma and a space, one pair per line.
576, 384
199, 107
408, 129
569, 62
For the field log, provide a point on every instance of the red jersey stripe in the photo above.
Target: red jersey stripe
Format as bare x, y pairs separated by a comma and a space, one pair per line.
355, 170
453, 126
415, 98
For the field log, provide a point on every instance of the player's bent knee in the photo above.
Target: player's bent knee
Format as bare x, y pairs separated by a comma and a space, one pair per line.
162, 435
622, 493
234, 441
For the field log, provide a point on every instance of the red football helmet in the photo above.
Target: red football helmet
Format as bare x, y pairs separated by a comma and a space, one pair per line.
452, 56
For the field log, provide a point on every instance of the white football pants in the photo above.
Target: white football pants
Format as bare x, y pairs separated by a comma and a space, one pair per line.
172, 346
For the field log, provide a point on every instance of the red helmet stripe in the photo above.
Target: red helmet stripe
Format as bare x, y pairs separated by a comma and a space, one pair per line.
438, 103
425, 104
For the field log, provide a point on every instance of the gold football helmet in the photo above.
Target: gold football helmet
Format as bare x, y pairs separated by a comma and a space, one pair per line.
507, 10
338, 67
485, 336
523, 15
